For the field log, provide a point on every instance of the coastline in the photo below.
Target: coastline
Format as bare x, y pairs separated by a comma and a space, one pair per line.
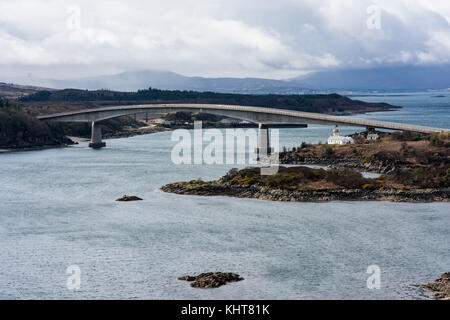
217, 188
36, 148
77, 140
411, 169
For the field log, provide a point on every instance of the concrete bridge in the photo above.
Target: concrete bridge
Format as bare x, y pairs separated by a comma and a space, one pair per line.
265, 117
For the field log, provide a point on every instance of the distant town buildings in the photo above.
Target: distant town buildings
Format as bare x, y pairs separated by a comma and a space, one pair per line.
336, 138
160, 121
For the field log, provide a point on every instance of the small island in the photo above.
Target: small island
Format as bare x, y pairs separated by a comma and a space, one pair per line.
210, 280
412, 168
126, 198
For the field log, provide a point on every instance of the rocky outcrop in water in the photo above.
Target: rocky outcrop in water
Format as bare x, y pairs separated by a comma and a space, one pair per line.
215, 188
441, 286
211, 279
129, 198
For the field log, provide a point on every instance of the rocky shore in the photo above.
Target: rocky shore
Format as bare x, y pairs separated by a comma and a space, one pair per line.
441, 286
216, 188
211, 279
412, 168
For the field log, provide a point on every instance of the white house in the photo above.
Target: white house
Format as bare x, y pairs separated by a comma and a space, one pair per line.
336, 138
372, 136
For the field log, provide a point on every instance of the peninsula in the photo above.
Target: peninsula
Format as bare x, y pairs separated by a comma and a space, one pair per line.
413, 168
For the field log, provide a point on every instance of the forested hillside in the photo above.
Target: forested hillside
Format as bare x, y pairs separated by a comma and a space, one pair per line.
320, 103
18, 129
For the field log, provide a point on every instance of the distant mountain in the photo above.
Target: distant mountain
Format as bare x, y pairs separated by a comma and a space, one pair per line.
408, 78
15, 91
132, 81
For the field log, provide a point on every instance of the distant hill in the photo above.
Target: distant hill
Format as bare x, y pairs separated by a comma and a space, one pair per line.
394, 79
320, 103
132, 81
409, 78
14, 91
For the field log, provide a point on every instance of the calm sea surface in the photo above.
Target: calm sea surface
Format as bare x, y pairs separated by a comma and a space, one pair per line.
57, 209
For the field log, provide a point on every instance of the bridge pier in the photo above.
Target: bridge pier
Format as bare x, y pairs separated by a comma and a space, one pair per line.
263, 149
96, 136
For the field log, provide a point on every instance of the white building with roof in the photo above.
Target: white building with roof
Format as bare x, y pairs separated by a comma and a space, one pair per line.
373, 136
336, 138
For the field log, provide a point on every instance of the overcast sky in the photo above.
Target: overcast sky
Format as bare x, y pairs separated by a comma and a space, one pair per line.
239, 38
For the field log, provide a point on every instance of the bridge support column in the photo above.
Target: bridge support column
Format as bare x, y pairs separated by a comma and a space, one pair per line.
96, 137
263, 148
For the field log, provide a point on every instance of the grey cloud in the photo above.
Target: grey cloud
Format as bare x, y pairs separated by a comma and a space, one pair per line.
273, 39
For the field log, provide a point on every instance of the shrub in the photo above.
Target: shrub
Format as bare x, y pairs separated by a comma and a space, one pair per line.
439, 139
446, 179
327, 151
369, 187
198, 181
244, 181
346, 178
404, 145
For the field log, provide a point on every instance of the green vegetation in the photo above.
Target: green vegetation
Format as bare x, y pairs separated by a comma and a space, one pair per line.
302, 177
370, 187
418, 161
18, 129
440, 140
327, 151
304, 145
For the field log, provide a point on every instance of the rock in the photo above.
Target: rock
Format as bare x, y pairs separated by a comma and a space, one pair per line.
441, 286
129, 198
187, 278
211, 279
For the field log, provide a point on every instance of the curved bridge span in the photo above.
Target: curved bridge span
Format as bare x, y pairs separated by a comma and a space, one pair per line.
260, 115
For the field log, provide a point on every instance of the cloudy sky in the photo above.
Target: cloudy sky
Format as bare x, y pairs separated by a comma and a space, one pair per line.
239, 38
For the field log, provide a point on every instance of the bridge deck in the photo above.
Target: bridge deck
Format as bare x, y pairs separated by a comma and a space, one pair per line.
252, 114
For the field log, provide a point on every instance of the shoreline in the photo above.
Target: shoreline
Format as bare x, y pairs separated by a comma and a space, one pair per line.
410, 169
37, 148
78, 140
215, 188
